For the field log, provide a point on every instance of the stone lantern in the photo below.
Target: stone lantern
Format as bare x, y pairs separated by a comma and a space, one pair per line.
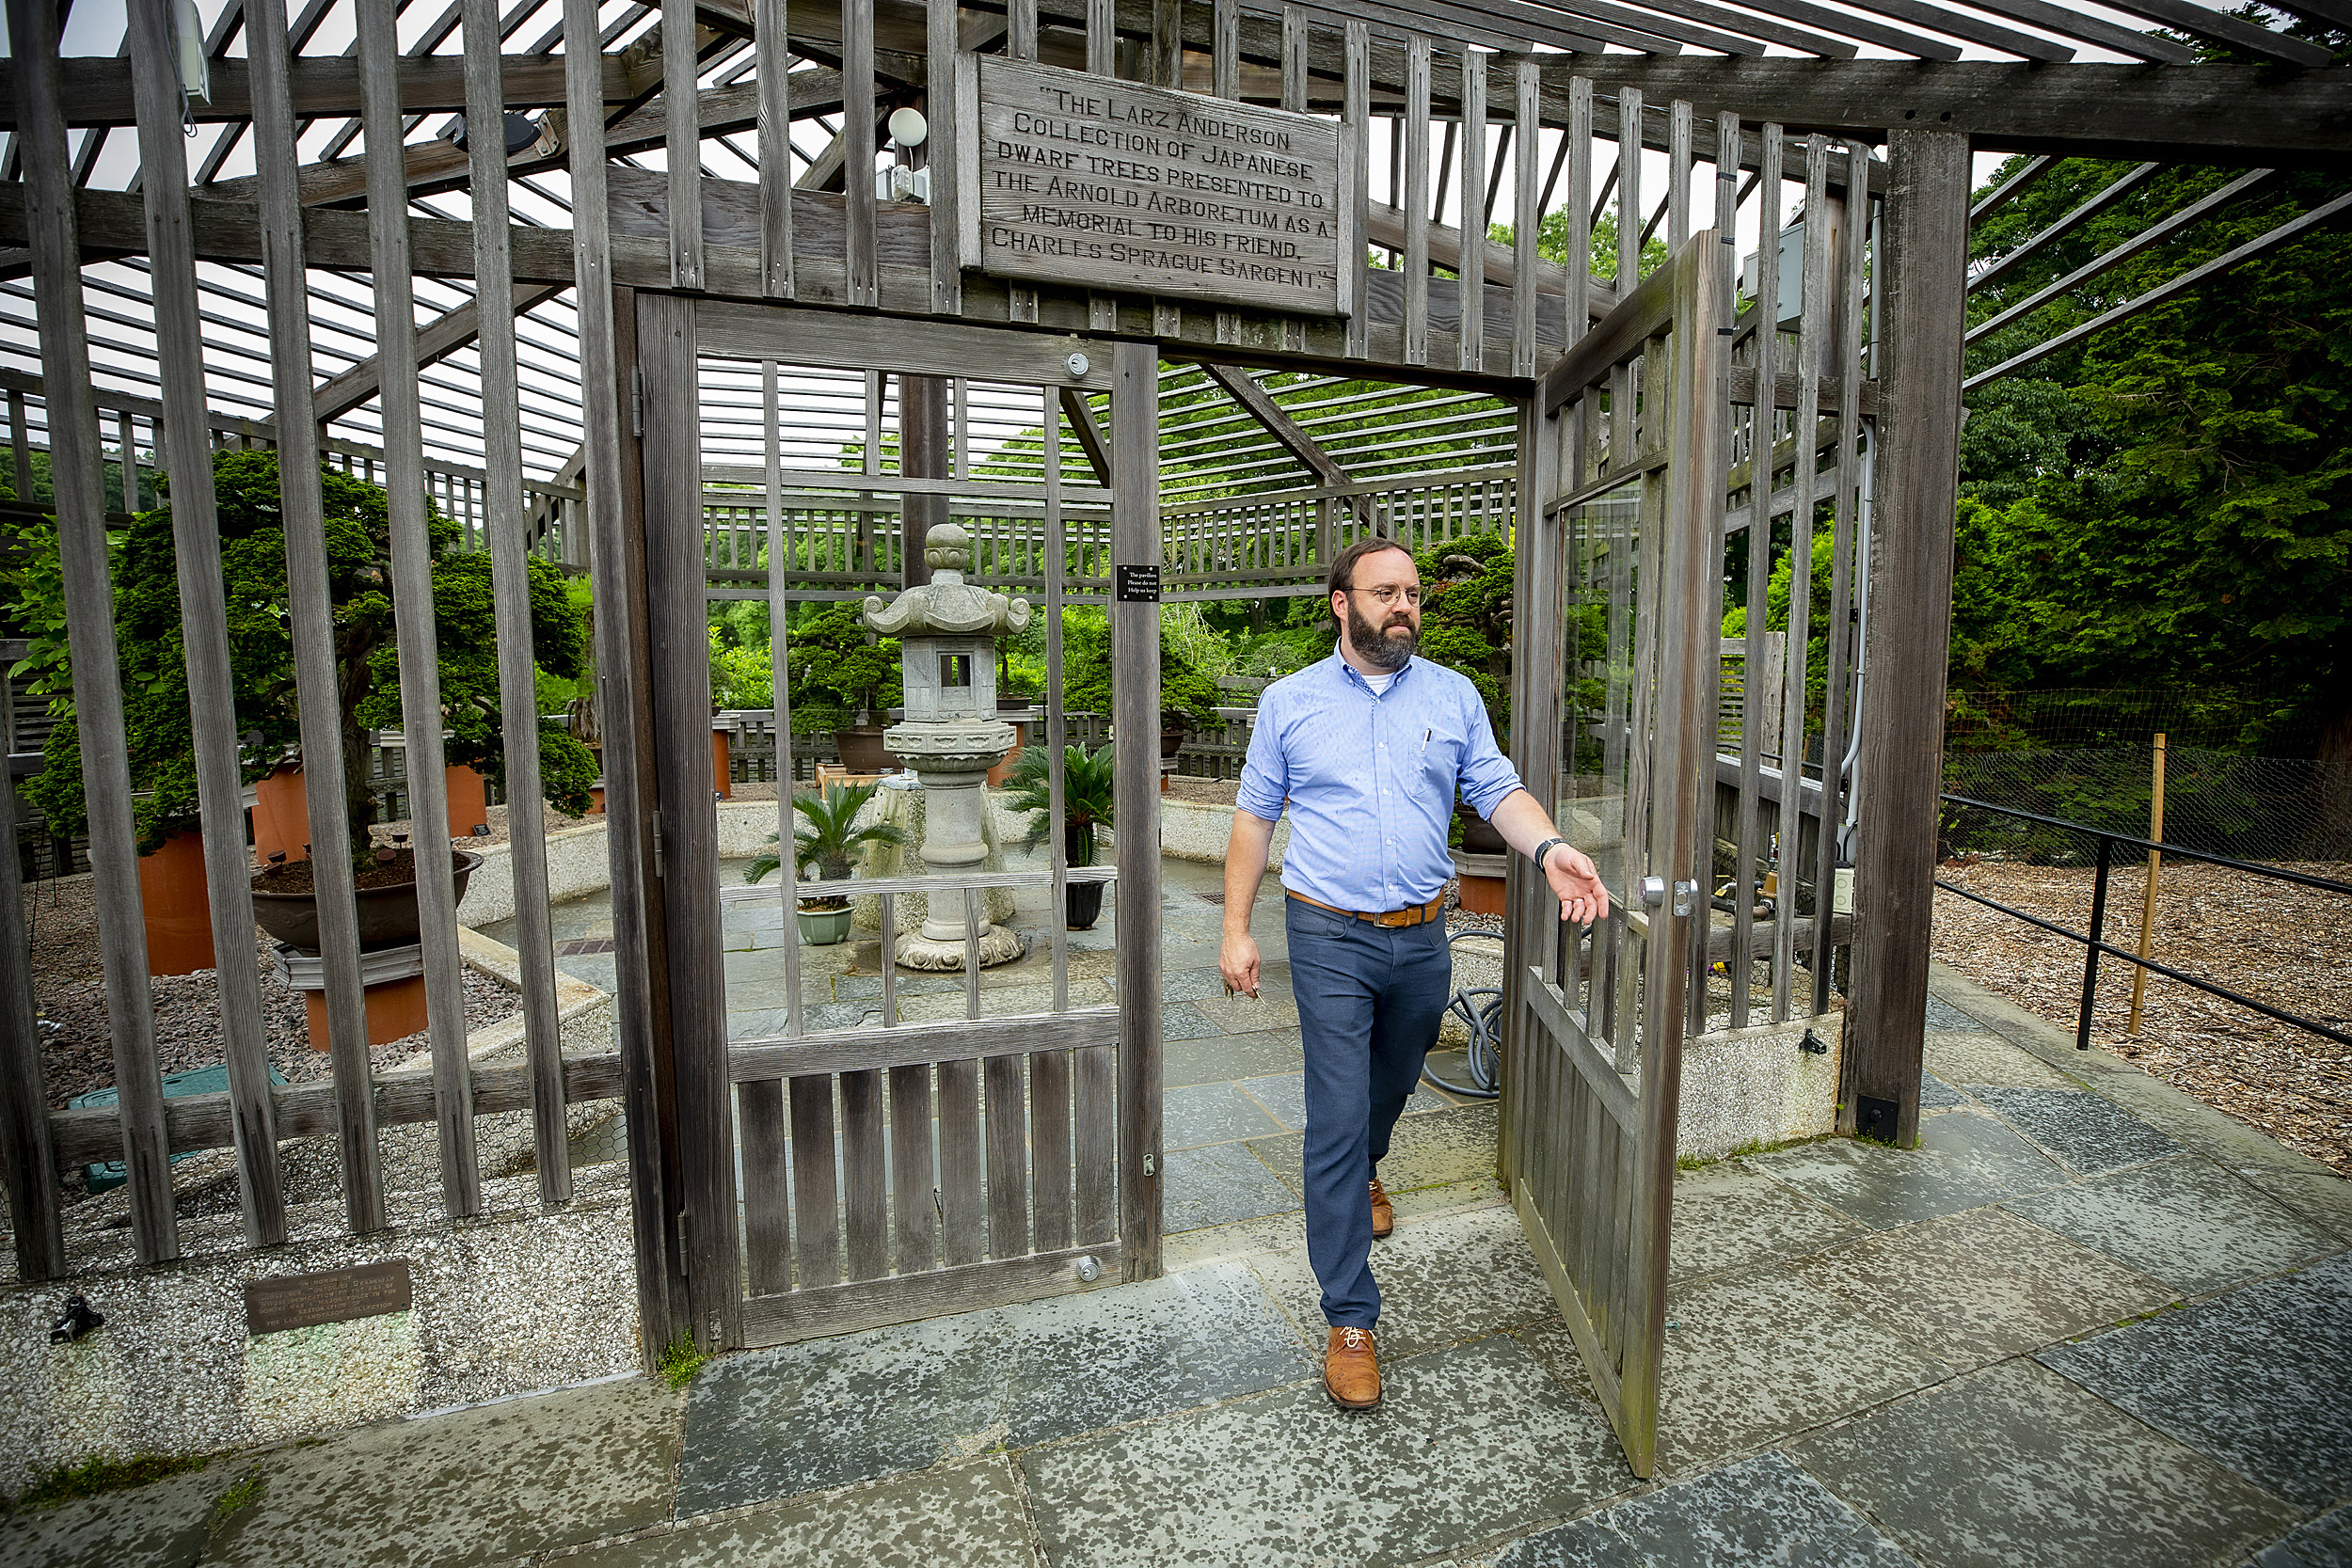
947, 632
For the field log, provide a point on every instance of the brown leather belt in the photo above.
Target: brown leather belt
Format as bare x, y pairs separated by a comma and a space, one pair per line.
1412, 914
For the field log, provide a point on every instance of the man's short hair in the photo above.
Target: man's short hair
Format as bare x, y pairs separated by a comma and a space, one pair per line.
1342, 573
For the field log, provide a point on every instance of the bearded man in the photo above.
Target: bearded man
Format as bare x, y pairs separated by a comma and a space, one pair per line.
1367, 750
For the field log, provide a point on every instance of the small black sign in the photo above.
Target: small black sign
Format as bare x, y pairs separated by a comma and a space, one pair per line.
1140, 585
304, 1300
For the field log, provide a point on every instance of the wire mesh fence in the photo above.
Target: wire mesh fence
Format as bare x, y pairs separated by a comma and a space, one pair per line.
2254, 808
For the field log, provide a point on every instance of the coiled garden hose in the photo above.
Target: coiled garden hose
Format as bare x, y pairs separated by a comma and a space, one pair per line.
1480, 1008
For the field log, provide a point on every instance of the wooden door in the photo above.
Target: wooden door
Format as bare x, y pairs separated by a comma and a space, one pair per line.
840, 1165
1622, 448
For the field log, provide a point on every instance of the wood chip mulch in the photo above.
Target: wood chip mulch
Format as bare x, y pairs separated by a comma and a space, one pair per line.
2286, 945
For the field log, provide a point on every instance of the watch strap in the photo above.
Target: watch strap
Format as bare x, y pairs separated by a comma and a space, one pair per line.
1546, 847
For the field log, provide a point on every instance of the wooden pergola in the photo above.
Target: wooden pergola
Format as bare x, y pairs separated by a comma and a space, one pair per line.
523, 325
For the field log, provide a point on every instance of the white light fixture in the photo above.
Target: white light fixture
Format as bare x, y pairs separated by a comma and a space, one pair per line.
908, 127
187, 41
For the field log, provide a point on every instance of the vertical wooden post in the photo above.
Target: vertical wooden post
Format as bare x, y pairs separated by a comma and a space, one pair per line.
1136, 712
78, 494
1899, 774
774, 54
1537, 690
2148, 895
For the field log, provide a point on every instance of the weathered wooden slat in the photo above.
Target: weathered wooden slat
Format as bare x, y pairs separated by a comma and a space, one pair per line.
1526, 218
1135, 699
914, 1215
78, 497
815, 1193
963, 1230
1096, 1144
943, 158
1008, 1158
1225, 49
1840, 328
204, 631
1755, 703
1355, 147
1921, 267
767, 1211
857, 124
682, 142
412, 604
774, 59
502, 458
844, 1308
1472, 284
1049, 1149
2065, 224
1417, 74
730, 330
865, 1174
779, 559
1051, 409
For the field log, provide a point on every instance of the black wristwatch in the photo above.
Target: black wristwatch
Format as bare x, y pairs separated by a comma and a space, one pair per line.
1546, 847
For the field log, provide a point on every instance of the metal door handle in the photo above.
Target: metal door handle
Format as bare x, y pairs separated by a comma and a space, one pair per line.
1652, 892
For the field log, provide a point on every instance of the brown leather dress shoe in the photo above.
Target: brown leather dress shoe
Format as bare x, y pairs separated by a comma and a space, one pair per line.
1351, 1370
1383, 1216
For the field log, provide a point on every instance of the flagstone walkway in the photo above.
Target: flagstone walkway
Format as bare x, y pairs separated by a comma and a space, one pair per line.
2088, 1322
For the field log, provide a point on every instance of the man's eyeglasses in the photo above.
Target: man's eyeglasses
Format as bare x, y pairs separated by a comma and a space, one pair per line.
1388, 595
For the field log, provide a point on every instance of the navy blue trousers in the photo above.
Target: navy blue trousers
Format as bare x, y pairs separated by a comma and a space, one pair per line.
1369, 1003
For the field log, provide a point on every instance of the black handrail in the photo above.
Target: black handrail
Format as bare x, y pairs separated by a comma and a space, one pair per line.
2095, 944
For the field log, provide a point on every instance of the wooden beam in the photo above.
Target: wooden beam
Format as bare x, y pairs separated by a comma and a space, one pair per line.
1258, 403
1091, 437
434, 342
98, 91
1136, 704
1899, 775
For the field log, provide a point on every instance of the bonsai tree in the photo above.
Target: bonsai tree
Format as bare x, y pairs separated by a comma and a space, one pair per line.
1185, 689
253, 568
829, 841
1466, 618
839, 666
1086, 797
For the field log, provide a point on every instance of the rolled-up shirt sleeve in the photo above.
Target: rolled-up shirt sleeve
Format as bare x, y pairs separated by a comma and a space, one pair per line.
1265, 774
1487, 776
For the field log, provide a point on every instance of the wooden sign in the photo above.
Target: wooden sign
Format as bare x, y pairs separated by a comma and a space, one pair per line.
334, 1295
1088, 182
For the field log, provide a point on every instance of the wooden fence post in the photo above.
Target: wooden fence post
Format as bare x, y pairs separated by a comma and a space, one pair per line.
1899, 774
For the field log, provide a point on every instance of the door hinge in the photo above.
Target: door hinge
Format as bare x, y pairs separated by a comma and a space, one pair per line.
636, 400
656, 843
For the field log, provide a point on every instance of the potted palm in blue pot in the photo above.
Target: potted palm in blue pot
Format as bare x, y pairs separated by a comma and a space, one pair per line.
828, 841
1087, 779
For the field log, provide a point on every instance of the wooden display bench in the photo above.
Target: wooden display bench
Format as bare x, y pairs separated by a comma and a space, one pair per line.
829, 773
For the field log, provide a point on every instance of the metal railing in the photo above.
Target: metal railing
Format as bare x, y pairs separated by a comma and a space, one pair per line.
2095, 943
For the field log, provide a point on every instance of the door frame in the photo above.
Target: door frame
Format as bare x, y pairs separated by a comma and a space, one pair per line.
703, 1226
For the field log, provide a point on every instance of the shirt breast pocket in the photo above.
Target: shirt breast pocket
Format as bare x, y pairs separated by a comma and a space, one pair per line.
1441, 756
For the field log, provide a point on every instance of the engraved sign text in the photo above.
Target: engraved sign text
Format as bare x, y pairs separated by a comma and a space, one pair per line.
304, 1300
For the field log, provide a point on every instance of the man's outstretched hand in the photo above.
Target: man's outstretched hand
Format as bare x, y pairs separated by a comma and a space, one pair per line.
1577, 882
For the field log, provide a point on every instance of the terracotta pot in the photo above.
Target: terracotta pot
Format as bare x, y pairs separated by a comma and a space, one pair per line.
1482, 895
468, 801
281, 816
387, 915
395, 1011
862, 751
720, 743
173, 896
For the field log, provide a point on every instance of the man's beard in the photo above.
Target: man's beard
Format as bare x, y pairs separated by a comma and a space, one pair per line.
1374, 646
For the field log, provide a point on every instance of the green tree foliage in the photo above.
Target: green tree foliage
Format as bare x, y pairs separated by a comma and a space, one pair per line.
1088, 799
1087, 670
841, 672
2171, 502
153, 658
1466, 618
1552, 243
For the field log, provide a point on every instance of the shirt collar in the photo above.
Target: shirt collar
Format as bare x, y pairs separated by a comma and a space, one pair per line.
1349, 672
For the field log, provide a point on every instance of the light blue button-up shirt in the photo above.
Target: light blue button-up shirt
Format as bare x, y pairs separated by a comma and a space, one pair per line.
1369, 780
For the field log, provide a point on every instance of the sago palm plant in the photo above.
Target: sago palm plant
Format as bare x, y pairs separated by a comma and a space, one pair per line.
829, 840
1087, 779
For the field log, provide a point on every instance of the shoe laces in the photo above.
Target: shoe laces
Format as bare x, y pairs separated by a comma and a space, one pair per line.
1353, 1338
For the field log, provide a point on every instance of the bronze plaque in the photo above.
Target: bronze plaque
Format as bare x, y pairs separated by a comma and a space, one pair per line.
1088, 182
334, 1295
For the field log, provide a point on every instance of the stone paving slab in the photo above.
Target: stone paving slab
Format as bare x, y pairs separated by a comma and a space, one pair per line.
2014, 1466
161, 1525
1271, 1008
1463, 1278
1753, 1356
1982, 1057
1468, 1444
1197, 1113
1217, 1185
477, 1485
1184, 1021
1943, 1015
1979, 1286
1211, 1057
1730, 1215
1762, 1510
2324, 1542
1935, 1094
2182, 1220
2086, 1132
2260, 1379
777, 1423
1965, 1160
2323, 1198
1455, 1144
964, 1513
2197, 1126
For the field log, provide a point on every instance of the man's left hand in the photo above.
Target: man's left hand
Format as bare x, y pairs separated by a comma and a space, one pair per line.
1577, 882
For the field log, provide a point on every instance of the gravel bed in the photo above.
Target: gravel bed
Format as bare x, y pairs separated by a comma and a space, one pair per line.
2286, 945
69, 989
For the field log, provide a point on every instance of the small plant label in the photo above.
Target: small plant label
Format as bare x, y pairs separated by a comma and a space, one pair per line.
1139, 584
332, 1295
